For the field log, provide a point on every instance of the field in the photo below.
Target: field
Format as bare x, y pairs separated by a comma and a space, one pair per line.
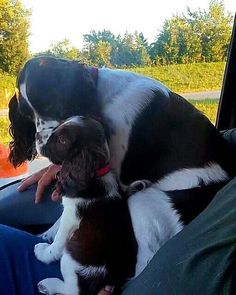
4, 125
187, 77
208, 107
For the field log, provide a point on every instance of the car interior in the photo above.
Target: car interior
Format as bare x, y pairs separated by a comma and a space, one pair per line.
226, 115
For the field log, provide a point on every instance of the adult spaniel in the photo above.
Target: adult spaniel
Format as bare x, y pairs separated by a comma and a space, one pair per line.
153, 133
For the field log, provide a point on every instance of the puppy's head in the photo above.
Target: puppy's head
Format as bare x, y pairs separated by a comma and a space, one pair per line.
80, 145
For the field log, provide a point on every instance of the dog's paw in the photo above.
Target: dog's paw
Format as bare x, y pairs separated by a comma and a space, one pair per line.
43, 289
51, 286
46, 236
46, 252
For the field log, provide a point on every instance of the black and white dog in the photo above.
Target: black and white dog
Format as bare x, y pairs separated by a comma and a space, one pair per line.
153, 133
95, 239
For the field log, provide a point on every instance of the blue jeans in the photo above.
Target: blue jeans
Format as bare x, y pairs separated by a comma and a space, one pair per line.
20, 270
19, 210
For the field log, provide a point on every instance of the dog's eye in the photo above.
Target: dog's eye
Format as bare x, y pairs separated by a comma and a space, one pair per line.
62, 139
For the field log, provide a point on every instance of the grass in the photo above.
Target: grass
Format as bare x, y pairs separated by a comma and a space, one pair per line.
208, 107
187, 77
4, 126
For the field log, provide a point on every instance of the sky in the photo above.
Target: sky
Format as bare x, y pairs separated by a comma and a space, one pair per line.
55, 20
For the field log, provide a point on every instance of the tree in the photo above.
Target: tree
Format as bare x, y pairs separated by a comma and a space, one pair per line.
177, 43
214, 28
104, 48
14, 33
99, 47
62, 49
197, 36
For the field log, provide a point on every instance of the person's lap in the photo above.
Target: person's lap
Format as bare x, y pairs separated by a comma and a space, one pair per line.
18, 209
20, 270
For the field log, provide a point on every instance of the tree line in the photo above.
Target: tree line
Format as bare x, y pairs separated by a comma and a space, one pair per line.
190, 37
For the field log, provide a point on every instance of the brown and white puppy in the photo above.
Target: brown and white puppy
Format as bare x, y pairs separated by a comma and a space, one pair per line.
101, 238
95, 239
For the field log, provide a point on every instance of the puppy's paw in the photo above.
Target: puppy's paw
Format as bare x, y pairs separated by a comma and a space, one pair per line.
43, 289
51, 286
46, 252
46, 236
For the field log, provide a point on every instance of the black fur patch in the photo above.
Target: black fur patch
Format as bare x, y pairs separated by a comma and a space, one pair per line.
191, 202
22, 131
60, 88
170, 134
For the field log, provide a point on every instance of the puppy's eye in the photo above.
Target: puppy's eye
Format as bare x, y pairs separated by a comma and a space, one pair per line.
62, 139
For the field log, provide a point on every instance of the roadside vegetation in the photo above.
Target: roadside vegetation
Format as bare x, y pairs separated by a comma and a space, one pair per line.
208, 107
4, 126
187, 77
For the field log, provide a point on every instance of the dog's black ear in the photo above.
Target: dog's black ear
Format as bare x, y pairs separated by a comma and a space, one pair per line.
22, 130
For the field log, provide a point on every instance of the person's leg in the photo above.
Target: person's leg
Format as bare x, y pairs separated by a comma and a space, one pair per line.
20, 270
201, 259
18, 208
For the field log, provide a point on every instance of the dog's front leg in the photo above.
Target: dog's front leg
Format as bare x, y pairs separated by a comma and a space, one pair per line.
68, 223
50, 234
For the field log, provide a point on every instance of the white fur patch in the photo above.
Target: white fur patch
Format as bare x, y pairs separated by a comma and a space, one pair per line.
24, 94
69, 286
91, 271
44, 130
74, 119
154, 222
189, 178
68, 223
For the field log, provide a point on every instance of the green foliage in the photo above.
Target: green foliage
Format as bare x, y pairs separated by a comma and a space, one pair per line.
4, 133
208, 107
199, 36
187, 77
14, 32
103, 48
62, 49
7, 88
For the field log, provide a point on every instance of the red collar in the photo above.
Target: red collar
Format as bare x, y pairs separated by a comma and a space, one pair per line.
103, 171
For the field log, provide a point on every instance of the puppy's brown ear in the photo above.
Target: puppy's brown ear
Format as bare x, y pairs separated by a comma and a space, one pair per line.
76, 173
22, 130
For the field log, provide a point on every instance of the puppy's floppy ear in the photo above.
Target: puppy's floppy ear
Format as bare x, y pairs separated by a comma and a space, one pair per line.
76, 173
22, 130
